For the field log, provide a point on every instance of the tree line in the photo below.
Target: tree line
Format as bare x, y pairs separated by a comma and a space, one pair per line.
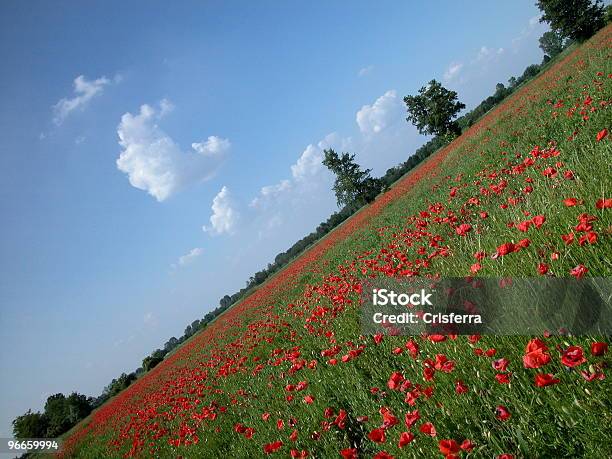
433, 110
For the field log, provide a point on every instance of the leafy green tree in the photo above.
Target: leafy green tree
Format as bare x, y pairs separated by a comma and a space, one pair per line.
171, 344
225, 302
30, 425
78, 406
608, 14
352, 185
118, 384
56, 410
551, 43
432, 111
575, 19
151, 361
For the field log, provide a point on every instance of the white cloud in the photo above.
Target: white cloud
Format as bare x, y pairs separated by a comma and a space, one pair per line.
165, 107
385, 111
190, 256
365, 70
453, 70
269, 192
155, 163
308, 164
534, 21
225, 217
84, 91
214, 146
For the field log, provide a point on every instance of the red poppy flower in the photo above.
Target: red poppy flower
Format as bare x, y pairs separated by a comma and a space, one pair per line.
377, 435
500, 364
413, 348
570, 202
383, 455
405, 438
523, 244
505, 456
588, 238
395, 380
349, 453
272, 447
536, 355
538, 220
542, 268
599, 348
411, 418
460, 388
502, 413
448, 447
573, 356
602, 135
468, 445
389, 419
549, 172
503, 378
505, 249
463, 229
545, 379
428, 429
490, 352
579, 271
568, 238
604, 203
299, 454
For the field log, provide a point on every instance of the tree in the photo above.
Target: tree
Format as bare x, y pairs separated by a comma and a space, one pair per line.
151, 361
575, 19
432, 111
56, 410
30, 425
551, 43
171, 344
225, 302
352, 185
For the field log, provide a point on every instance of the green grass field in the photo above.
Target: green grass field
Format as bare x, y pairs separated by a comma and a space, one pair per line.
287, 373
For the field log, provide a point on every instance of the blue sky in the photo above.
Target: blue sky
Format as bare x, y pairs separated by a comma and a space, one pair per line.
155, 155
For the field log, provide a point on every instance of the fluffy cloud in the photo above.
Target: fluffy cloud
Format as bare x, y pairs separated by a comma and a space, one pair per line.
189, 257
270, 192
224, 217
84, 91
452, 71
308, 164
152, 160
385, 111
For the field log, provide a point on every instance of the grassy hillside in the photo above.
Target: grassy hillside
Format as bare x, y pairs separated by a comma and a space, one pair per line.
287, 373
